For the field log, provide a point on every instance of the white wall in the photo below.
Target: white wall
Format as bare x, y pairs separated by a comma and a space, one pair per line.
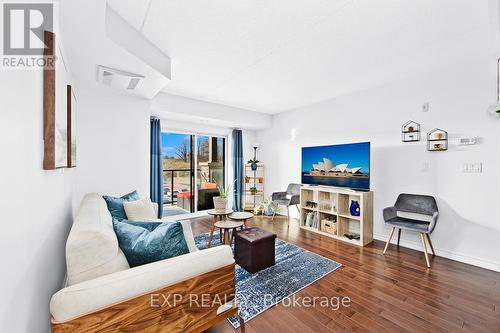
36, 208
113, 143
469, 226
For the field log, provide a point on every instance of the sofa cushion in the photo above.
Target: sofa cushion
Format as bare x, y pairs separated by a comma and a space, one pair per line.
147, 242
140, 210
115, 205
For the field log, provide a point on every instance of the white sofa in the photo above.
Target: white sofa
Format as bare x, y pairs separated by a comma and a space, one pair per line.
99, 275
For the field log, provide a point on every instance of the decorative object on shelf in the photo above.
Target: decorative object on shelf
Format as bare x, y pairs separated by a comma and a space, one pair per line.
220, 202
329, 225
352, 236
266, 207
253, 190
261, 180
410, 131
311, 204
494, 109
247, 179
437, 140
354, 208
253, 162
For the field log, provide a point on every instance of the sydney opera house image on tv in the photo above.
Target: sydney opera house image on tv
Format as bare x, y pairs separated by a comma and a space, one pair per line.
346, 165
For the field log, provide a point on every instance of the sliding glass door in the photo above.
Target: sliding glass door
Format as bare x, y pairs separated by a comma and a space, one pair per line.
210, 171
192, 179
177, 173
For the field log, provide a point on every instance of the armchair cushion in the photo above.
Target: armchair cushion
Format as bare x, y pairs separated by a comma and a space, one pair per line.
409, 224
147, 242
284, 202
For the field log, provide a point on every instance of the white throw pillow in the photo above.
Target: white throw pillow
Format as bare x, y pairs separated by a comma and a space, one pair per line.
140, 210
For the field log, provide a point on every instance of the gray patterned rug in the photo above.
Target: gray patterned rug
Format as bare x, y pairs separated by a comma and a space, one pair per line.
295, 269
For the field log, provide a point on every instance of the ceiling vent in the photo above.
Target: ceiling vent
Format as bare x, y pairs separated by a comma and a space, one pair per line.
118, 79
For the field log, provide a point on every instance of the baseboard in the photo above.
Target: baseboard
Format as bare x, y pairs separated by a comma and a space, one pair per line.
491, 265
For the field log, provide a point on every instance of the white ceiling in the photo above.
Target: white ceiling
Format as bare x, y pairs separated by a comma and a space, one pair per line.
274, 55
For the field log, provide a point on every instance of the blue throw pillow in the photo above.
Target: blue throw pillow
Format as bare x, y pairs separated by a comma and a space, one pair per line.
147, 242
115, 205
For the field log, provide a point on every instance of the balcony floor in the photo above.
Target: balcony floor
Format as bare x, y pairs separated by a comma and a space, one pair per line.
171, 210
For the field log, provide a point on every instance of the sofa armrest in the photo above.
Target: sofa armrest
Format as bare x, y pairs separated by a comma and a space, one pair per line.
97, 294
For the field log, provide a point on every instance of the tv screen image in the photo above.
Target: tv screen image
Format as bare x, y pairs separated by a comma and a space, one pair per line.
345, 165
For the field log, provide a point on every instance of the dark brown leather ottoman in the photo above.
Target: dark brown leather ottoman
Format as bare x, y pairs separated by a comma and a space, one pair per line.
254, 249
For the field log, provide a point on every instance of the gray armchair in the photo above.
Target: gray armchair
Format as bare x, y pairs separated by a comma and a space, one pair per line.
426, 208
291, 197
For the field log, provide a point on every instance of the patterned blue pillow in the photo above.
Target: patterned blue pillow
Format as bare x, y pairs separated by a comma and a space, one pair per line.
115, 205
147, 242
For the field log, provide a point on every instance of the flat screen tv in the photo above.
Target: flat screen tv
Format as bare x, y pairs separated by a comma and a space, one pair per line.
345, 165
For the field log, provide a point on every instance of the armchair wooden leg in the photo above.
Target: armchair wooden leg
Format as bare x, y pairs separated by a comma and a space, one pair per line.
430, 244
389, 240
422, 237
298, 209
242, 324
399, 235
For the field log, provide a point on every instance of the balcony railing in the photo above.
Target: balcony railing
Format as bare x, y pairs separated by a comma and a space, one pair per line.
179, 180
171, 180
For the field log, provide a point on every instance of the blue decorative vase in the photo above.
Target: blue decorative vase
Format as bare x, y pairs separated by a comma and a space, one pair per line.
253, 166
268, 210
354, 208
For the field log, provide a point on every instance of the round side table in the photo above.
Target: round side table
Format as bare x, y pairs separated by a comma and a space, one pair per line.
226, 227
219, 215
241, 217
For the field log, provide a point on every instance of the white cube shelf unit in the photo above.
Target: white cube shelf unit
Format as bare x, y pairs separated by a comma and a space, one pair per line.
333, 204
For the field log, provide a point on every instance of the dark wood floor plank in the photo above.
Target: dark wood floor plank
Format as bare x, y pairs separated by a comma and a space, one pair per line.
391, 293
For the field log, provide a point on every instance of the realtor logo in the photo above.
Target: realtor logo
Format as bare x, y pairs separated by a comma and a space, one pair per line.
23, 27
23, 30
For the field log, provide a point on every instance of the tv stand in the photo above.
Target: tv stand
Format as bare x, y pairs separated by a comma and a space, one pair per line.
332, 206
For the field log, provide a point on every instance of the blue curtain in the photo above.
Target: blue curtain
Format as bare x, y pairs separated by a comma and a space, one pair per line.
238, 170
156, 166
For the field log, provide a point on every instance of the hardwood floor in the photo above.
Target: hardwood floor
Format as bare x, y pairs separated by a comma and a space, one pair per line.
391, 293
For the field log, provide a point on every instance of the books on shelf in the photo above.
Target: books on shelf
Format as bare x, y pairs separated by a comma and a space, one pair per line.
311, 220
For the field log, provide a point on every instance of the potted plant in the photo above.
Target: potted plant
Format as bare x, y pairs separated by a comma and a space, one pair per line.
253, 190
220, 202
261, 180
247, 179
253, 163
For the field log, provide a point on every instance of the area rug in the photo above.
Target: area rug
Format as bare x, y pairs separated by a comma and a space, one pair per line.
295, 269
